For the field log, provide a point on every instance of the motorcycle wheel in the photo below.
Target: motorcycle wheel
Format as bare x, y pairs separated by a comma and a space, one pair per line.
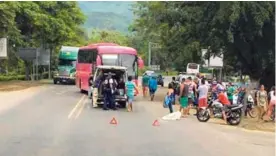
203, 115
235, 118
253, 113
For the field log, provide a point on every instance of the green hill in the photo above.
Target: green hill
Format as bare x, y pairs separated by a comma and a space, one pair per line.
107, 15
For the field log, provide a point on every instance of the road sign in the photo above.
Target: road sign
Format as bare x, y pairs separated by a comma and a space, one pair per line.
212, 61
155, 67
155, 45
44, 57
28, 54
3, 47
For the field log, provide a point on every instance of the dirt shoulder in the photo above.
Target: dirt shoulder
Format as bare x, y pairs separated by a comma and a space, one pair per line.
247, 123
8, 86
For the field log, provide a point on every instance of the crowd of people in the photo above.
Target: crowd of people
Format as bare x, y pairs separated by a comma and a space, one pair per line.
189, 92
197, 91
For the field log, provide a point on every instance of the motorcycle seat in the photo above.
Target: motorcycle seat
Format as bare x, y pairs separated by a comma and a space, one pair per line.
232, 106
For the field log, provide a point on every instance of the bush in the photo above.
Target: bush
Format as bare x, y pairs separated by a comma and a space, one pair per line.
171, 73
11, 77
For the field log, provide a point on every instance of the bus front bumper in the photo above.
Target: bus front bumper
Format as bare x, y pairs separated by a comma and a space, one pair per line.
64, 79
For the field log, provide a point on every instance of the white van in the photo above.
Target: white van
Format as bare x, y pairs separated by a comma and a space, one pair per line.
117, 73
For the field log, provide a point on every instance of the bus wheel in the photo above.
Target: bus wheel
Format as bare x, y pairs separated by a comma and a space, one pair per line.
55, 81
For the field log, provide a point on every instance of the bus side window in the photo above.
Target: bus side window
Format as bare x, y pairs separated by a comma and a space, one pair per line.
87, 56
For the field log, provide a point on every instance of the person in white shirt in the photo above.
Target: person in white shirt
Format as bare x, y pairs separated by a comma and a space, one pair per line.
203, 94
219, 87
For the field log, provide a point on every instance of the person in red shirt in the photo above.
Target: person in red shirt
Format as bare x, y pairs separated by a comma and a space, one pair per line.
222, 98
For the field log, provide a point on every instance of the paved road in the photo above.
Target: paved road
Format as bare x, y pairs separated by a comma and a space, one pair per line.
58, 121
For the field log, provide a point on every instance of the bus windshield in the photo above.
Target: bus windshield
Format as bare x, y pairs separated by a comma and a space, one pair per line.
125, 60
63, 62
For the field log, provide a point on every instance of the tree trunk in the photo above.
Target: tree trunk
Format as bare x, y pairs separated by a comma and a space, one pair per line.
27, 70
268, 78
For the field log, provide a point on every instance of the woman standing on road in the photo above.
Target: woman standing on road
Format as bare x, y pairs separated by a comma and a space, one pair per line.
170, 95
272, 102
262, 101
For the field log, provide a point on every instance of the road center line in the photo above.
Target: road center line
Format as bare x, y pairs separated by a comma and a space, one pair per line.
76, 107
81, 108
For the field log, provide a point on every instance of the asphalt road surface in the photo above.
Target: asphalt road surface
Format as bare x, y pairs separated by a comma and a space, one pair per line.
57, 120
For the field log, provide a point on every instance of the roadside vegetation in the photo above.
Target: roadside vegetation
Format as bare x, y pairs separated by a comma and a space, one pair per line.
242, 31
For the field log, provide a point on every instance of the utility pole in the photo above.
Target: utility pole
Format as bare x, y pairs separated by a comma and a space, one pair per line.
149, 61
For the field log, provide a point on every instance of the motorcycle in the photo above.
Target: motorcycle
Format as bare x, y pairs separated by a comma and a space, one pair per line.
233, 112
250, 109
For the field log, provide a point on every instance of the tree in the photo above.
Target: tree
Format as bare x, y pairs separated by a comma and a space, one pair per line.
242, 31
51, 24
108, 36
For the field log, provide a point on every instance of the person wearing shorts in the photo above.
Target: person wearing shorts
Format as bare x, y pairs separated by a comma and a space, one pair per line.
271, 105
152, 87
130, 86
145, 83
184, 91
203, 93
222, 98
191, 95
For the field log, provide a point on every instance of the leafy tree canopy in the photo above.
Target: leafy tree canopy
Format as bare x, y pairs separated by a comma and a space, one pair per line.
46, 23
242, 31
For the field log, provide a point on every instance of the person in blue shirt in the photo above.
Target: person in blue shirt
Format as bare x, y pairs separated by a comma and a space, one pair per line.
152, 86
130, 88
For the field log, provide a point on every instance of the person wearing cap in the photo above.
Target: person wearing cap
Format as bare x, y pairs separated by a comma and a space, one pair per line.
109, 90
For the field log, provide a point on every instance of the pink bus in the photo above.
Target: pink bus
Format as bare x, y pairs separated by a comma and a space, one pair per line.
105, 54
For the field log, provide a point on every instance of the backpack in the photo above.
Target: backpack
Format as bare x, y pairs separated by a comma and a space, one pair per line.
167, 101
177, 89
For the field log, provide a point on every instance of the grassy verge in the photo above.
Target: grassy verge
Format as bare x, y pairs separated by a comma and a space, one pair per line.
246, 123
253, 124
11, 77
13, 85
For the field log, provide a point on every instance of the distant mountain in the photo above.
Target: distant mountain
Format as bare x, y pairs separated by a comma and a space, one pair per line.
107, 15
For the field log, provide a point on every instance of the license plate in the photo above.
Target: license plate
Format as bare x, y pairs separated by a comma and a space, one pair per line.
63, 80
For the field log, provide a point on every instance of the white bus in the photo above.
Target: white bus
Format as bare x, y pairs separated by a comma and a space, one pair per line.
192, 68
